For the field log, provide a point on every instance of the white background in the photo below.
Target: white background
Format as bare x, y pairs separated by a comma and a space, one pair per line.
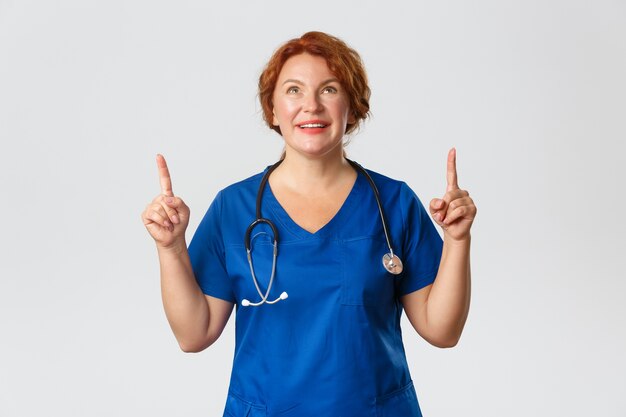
532, 94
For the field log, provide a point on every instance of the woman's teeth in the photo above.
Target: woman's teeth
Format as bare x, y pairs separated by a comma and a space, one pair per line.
308, 125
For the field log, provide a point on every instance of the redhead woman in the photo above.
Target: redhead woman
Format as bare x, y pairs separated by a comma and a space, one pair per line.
320, 256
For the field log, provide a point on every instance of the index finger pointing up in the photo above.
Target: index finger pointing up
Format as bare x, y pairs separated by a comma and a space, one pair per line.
451, 175
164, 177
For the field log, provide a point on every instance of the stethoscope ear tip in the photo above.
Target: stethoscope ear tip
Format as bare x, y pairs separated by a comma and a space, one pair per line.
284, 296
245, 303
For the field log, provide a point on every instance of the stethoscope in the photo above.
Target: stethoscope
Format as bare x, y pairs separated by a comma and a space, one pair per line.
391, 262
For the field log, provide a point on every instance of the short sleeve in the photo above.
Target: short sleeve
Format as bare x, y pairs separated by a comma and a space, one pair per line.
206, 253
422, 245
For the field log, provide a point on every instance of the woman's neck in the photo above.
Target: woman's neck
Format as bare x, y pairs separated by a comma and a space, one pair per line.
312, 176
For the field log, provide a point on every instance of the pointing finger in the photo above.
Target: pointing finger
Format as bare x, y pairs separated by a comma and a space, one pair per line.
164, 177
451, 174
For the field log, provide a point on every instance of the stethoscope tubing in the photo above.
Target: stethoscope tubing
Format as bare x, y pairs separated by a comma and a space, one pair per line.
392, 263
359, 168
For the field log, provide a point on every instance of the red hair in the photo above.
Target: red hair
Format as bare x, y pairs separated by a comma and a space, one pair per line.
343, 61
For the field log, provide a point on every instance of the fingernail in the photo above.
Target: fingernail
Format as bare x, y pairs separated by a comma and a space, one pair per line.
439, 203
175, 219
169, 199
438, 217
167, 224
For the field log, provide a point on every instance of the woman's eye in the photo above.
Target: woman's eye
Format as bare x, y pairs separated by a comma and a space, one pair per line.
293, 90
329, 89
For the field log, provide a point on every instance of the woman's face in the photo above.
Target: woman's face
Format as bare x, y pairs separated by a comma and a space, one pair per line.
310, 107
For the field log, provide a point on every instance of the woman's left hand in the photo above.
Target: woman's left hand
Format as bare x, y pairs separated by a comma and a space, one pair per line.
454, 212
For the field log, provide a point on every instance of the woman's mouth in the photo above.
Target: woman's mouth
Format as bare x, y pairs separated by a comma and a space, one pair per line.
312, 125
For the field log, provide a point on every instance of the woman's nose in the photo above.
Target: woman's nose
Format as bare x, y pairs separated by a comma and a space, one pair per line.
312, 103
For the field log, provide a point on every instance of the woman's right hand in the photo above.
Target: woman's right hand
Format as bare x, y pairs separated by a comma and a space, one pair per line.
167, 216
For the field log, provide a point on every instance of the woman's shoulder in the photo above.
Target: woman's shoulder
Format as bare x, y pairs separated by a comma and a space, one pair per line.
385, 183
251, 182
393, 191
236, 196
382, 178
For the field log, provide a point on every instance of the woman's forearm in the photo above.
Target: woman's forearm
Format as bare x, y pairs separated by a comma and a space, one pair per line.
448, 302
185, 305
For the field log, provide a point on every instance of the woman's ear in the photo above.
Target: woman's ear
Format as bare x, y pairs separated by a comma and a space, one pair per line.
351, 118
275, 121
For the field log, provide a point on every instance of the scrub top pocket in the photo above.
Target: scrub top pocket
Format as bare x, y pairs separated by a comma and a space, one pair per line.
365, 280
401, 403
236, 407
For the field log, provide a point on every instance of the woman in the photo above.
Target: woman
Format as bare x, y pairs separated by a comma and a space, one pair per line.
318, 314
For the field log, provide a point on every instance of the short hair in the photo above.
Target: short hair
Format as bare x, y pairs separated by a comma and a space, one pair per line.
343, 61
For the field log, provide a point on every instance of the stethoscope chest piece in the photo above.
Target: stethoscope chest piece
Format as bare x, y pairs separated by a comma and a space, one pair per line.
392, 263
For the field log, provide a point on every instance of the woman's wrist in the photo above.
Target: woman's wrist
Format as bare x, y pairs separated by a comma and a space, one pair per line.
175, 249
462, 242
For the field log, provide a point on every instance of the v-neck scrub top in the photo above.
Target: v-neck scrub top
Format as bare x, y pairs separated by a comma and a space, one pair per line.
334, 347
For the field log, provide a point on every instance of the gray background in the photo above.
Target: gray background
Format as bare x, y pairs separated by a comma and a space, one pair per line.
532, 94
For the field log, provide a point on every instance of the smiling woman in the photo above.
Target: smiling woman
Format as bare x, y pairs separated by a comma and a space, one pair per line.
310, 107
343, 62
324, 338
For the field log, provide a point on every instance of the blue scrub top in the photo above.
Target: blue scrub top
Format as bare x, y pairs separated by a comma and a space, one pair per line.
334, 347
